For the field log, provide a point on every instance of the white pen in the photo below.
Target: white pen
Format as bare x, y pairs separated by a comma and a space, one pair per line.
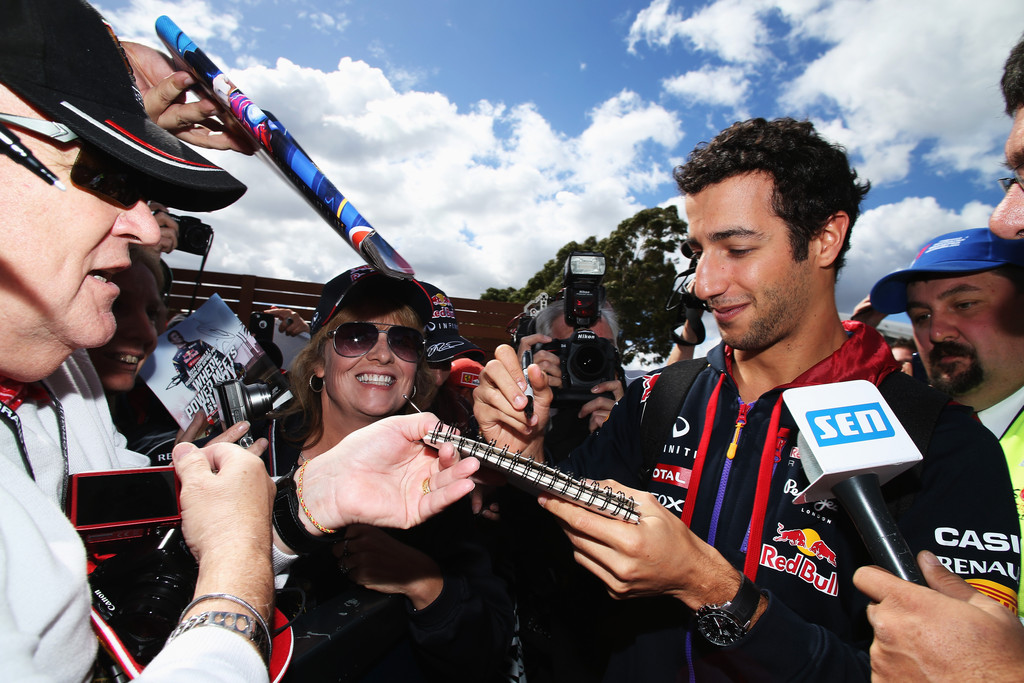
527, 360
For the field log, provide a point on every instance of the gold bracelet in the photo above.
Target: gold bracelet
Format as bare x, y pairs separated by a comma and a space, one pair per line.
302, 503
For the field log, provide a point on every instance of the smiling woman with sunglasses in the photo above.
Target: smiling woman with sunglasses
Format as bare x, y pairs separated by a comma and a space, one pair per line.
366, 354
364, 357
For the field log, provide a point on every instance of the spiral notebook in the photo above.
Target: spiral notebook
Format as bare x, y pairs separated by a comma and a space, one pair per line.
532, 476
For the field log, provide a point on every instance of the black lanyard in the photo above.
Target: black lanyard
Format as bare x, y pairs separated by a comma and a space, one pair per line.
14, 424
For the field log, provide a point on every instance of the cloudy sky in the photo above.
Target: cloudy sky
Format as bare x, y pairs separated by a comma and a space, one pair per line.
479, 137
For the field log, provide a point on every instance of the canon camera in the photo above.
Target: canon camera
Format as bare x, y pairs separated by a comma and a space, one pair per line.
141, 571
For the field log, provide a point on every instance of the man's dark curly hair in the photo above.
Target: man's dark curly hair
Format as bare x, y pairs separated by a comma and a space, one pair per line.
1013, 79
813, 178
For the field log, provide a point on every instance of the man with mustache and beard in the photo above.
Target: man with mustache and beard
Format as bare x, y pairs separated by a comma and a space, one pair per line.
964, 293
949, 630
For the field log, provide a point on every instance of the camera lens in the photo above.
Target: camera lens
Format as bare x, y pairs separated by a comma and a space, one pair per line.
151, 610
588, 363
195, 240
194, 236
149, 587
258, 400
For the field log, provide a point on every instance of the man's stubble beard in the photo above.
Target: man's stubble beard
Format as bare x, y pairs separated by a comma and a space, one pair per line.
773, 311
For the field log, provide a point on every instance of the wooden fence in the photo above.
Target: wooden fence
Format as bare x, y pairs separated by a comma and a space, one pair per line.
481, 322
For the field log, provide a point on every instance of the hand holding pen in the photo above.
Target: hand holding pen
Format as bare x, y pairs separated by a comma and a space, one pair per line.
11, 145
527, 360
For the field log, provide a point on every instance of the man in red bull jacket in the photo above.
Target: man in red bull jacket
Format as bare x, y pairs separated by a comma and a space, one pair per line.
729, 577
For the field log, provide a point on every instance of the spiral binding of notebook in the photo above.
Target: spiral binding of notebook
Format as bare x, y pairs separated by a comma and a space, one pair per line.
530, 475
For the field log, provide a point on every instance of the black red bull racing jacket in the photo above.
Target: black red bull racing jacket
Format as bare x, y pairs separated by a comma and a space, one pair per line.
802, 556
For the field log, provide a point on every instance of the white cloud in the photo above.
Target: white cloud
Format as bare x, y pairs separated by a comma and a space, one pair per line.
135, 22
469, 208
906, 76
897, 83
720, 86
325, 22
732, 30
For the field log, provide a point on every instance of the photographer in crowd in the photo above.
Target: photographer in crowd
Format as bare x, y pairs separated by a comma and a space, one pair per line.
81, 119
689, 331
574, 340
564, 613
581, 414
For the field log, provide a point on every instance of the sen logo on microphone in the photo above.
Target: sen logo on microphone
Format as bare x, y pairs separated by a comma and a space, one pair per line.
849, 424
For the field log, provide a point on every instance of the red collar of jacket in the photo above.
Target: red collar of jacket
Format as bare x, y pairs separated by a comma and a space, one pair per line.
864, 355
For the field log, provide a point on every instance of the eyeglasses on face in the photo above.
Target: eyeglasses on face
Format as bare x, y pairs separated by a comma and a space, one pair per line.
94, 169
1016, 179
355, 339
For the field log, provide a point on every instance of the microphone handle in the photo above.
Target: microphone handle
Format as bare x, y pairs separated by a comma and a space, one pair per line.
861, 495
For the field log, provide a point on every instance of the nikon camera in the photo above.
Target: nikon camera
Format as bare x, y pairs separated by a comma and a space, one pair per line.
587, 360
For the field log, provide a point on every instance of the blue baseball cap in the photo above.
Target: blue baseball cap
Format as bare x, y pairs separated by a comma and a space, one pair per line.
955, 253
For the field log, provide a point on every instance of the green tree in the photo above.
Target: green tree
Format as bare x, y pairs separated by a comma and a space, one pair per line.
638, 279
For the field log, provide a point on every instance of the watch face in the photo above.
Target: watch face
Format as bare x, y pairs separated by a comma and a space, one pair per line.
719, 627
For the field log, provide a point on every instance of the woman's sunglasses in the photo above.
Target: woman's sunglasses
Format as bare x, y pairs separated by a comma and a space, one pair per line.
352, 340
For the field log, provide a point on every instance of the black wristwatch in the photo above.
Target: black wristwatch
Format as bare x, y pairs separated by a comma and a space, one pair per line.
289, 524
726, 624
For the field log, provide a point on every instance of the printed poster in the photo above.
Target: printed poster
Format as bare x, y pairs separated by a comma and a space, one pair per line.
208, 347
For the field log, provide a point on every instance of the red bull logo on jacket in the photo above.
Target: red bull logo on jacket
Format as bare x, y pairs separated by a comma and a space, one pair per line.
809, 545
808, 542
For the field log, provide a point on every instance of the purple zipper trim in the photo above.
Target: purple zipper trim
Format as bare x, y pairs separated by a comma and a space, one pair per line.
689, 657
778, 456
741, 419
718, 501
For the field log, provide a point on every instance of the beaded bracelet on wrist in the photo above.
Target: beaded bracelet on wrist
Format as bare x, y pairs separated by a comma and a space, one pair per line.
309, 515
289, 524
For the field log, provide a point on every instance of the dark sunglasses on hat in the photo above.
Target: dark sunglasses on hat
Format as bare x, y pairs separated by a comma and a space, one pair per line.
93, 170
352, 340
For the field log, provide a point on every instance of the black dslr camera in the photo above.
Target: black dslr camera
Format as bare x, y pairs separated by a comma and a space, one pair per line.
587, 360
141, 572
689, 307
194, 236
